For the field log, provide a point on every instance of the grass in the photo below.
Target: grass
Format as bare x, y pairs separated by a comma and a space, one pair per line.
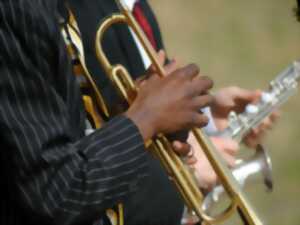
246, 43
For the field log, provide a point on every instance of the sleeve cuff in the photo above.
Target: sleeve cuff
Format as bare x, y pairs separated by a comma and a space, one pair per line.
211, 127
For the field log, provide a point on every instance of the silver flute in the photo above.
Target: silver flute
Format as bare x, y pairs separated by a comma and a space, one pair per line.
280, 90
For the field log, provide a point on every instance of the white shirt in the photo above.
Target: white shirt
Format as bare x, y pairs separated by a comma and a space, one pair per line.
130, 3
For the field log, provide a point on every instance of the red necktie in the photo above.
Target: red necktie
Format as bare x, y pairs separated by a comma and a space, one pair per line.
144, 23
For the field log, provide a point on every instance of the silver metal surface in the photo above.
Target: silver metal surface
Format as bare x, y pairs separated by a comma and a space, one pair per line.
259, 164
281, 88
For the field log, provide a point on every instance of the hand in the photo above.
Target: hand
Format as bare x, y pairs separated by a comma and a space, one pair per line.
257, 135
235, 99
185, 150
205, 174
170, 104
231, 99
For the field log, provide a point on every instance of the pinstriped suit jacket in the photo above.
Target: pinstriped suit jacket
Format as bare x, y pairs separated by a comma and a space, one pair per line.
50, 172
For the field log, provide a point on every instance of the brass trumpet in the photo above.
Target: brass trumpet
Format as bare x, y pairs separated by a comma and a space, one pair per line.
258, 165
246, 172
161, 146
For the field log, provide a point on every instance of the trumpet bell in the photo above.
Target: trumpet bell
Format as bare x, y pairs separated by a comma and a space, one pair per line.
259, 164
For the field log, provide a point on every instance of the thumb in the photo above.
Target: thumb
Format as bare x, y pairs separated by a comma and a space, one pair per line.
247, 95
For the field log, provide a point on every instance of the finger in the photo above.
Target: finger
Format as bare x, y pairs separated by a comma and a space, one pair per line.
150, 74
226, 145
255, 132
151, 77
191, 160
258, 133
231, 147
275, 116
142, 83
142, 80
188, 72
230, 160
251, 142
257, 95
266, 124
254, 138
247, 95
211, 181
202, 101
182, 149
139, 81
202, 84
198, 120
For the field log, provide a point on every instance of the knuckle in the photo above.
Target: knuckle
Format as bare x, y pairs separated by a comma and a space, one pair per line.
210, 84
194, 119
190, 71
205, 100
179, 76
207, 80
205, 84
195, 68
174, 75
209, 99
190, 92
201, 120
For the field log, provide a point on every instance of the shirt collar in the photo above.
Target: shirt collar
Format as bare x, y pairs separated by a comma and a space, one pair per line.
130, 3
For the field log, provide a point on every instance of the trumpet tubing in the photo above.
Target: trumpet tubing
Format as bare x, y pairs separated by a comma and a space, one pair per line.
181, 176
259, 164
161, 146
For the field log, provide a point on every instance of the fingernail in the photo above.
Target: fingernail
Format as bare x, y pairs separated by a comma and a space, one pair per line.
177, 144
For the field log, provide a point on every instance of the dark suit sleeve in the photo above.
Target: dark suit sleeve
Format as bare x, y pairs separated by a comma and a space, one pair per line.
59, 177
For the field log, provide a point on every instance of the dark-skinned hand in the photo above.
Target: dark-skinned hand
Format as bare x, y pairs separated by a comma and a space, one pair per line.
170, 104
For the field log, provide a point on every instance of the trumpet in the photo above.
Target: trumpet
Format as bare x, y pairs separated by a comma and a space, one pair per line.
260, 163
281, 88
162, 148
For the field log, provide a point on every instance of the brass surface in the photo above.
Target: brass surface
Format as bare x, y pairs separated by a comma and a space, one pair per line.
181, 176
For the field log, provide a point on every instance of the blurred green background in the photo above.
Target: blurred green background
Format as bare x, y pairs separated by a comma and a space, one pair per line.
246, 43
